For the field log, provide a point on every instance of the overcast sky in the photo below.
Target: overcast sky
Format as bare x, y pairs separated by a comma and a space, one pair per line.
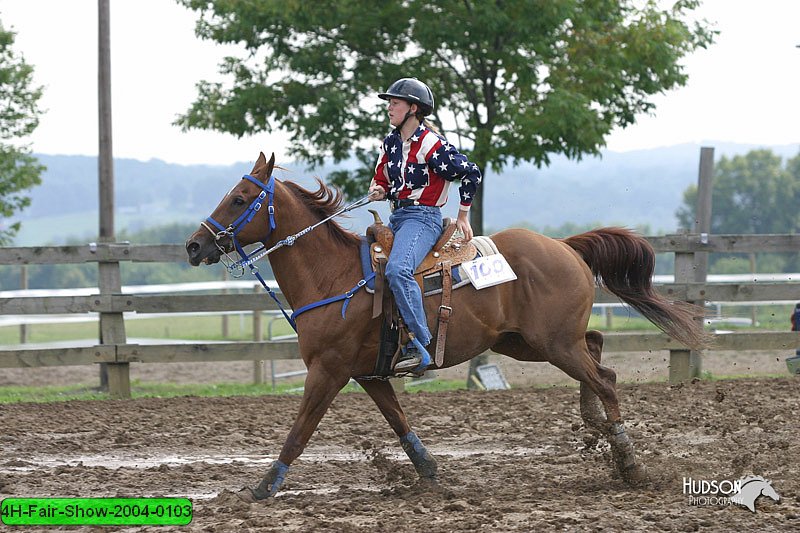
742, 89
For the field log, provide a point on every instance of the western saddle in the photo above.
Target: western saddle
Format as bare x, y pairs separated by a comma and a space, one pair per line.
448, 251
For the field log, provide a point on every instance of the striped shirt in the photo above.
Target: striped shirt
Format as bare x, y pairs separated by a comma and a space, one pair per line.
422, 168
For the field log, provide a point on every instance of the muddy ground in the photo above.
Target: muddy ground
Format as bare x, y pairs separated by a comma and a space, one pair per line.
517, 460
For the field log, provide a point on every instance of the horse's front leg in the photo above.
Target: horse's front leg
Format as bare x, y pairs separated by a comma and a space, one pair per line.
321, 387
385, 398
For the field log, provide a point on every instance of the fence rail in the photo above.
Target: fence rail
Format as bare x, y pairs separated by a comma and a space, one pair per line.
120, 354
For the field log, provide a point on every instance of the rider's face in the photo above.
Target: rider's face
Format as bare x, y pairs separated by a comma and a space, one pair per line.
397, 111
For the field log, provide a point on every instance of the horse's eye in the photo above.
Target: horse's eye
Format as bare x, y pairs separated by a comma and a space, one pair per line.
238, 201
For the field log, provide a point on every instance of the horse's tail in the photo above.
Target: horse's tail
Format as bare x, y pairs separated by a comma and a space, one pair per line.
623, 262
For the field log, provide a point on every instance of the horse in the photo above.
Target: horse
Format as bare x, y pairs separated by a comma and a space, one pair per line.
541, 316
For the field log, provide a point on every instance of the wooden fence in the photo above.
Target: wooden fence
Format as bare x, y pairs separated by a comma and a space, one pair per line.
111, 304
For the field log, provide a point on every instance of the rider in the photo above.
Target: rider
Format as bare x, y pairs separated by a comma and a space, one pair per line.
415, 167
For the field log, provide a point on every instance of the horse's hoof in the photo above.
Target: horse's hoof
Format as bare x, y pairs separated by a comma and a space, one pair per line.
247, 495
635, 475
426, 484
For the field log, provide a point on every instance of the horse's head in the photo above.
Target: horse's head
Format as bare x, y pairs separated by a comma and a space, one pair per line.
769, 492
238, 215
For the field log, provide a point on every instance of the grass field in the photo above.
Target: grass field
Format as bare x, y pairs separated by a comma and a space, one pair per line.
14, 394
196, 328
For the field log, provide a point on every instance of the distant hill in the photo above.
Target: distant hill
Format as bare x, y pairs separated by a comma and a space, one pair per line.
632, 188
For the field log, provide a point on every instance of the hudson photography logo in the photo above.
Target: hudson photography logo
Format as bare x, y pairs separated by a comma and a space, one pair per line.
744, 491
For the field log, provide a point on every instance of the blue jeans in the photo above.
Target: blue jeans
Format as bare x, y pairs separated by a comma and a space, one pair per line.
416, 229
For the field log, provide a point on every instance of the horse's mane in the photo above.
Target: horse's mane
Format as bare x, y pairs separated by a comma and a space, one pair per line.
751, 478
324, 202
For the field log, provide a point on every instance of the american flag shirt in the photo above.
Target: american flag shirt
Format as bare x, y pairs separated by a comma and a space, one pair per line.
422, 168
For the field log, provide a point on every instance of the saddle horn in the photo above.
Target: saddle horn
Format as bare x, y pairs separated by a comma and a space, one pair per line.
376, 216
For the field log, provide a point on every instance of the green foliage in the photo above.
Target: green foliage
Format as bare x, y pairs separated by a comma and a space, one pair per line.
752, 194
19, 116
353, 182
731, 265
165, 234
519, 80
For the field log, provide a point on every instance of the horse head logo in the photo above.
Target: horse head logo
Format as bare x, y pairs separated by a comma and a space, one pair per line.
751, 488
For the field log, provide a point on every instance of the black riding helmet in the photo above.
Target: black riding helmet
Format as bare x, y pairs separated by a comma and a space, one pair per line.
412, 91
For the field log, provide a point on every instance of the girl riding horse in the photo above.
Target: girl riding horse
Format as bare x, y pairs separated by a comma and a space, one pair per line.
414, 171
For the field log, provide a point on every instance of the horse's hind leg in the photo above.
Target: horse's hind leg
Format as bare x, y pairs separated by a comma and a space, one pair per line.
581, 361
599, 382
385, 398
590, 404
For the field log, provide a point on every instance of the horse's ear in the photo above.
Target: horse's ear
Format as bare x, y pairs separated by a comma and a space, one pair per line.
260, 163
270, 167
262, 170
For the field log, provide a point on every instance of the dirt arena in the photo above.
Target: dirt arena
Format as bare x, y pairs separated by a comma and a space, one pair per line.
517, 460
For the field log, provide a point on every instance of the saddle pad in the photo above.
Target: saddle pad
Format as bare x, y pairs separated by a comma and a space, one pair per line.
432, 283
485, 246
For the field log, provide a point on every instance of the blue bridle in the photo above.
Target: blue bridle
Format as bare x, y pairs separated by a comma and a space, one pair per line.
236, 268
233, 229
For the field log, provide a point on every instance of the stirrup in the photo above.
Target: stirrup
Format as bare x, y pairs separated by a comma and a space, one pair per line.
417, 363
410, 362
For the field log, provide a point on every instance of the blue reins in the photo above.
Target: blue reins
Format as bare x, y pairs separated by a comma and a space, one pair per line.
236, 269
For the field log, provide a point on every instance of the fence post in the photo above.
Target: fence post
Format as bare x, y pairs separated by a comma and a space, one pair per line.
693, 267
225, 322
683, 363
258, 336
609, 312
112, 331
112, 326
23, 284
753, 314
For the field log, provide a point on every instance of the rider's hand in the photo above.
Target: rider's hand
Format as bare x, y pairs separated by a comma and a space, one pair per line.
376, 192
462, 223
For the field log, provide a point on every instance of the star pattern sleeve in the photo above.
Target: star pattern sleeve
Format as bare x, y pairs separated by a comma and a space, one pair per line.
452, 165
381, 176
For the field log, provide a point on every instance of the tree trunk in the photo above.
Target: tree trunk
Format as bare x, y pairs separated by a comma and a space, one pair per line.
480, 157
476, 211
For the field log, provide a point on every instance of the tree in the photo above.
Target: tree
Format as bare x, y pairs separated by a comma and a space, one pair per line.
514, 80
752, 194
19, 117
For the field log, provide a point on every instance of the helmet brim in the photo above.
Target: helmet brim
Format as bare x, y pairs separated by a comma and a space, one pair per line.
407, 97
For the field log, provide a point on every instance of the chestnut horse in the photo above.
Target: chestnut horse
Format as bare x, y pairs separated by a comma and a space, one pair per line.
541, 316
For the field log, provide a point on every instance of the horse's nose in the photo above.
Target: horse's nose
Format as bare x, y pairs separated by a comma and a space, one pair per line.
193, 250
